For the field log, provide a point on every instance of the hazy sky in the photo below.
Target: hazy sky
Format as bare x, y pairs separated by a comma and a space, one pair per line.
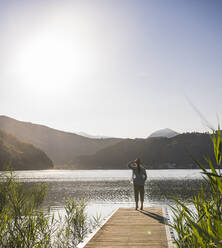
112, 67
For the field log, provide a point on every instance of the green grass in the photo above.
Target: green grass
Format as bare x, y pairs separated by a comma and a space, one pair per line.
201, 225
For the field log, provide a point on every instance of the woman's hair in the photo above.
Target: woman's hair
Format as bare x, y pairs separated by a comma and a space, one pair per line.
138, 162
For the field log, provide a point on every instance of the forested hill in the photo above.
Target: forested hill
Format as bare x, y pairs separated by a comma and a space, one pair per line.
21, 156
156, 153
61, 147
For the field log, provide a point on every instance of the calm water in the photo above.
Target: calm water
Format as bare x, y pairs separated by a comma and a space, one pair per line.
110, 189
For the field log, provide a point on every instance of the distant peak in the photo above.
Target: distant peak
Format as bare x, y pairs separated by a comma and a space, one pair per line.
92, 136
165, 132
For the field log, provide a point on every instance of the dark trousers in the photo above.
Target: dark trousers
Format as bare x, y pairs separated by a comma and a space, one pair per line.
139, 189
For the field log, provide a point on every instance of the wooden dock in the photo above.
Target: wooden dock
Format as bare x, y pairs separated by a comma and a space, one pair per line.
130, 228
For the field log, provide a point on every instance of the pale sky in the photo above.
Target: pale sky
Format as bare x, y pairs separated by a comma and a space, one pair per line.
118, 68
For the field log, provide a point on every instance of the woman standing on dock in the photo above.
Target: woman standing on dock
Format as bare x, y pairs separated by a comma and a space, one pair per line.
139, 178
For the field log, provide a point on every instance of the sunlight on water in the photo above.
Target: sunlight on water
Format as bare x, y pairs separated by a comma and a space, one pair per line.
110, 189
101, 175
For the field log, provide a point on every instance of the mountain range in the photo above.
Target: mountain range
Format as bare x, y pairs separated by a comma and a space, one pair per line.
61, 147
156, 153
164, 149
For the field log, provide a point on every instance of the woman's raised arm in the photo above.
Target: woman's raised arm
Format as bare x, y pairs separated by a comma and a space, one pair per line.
130, 165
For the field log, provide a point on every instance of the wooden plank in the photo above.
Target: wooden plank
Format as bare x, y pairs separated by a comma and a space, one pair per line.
131, 228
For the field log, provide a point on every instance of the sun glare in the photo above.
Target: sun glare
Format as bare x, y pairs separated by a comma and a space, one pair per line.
54, 59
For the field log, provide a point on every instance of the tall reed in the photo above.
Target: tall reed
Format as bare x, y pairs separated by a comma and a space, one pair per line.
200, 225
23, 224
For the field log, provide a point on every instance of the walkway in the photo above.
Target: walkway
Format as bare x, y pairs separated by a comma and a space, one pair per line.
131, 228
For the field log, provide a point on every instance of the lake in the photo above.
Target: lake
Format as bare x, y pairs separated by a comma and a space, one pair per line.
106, 190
